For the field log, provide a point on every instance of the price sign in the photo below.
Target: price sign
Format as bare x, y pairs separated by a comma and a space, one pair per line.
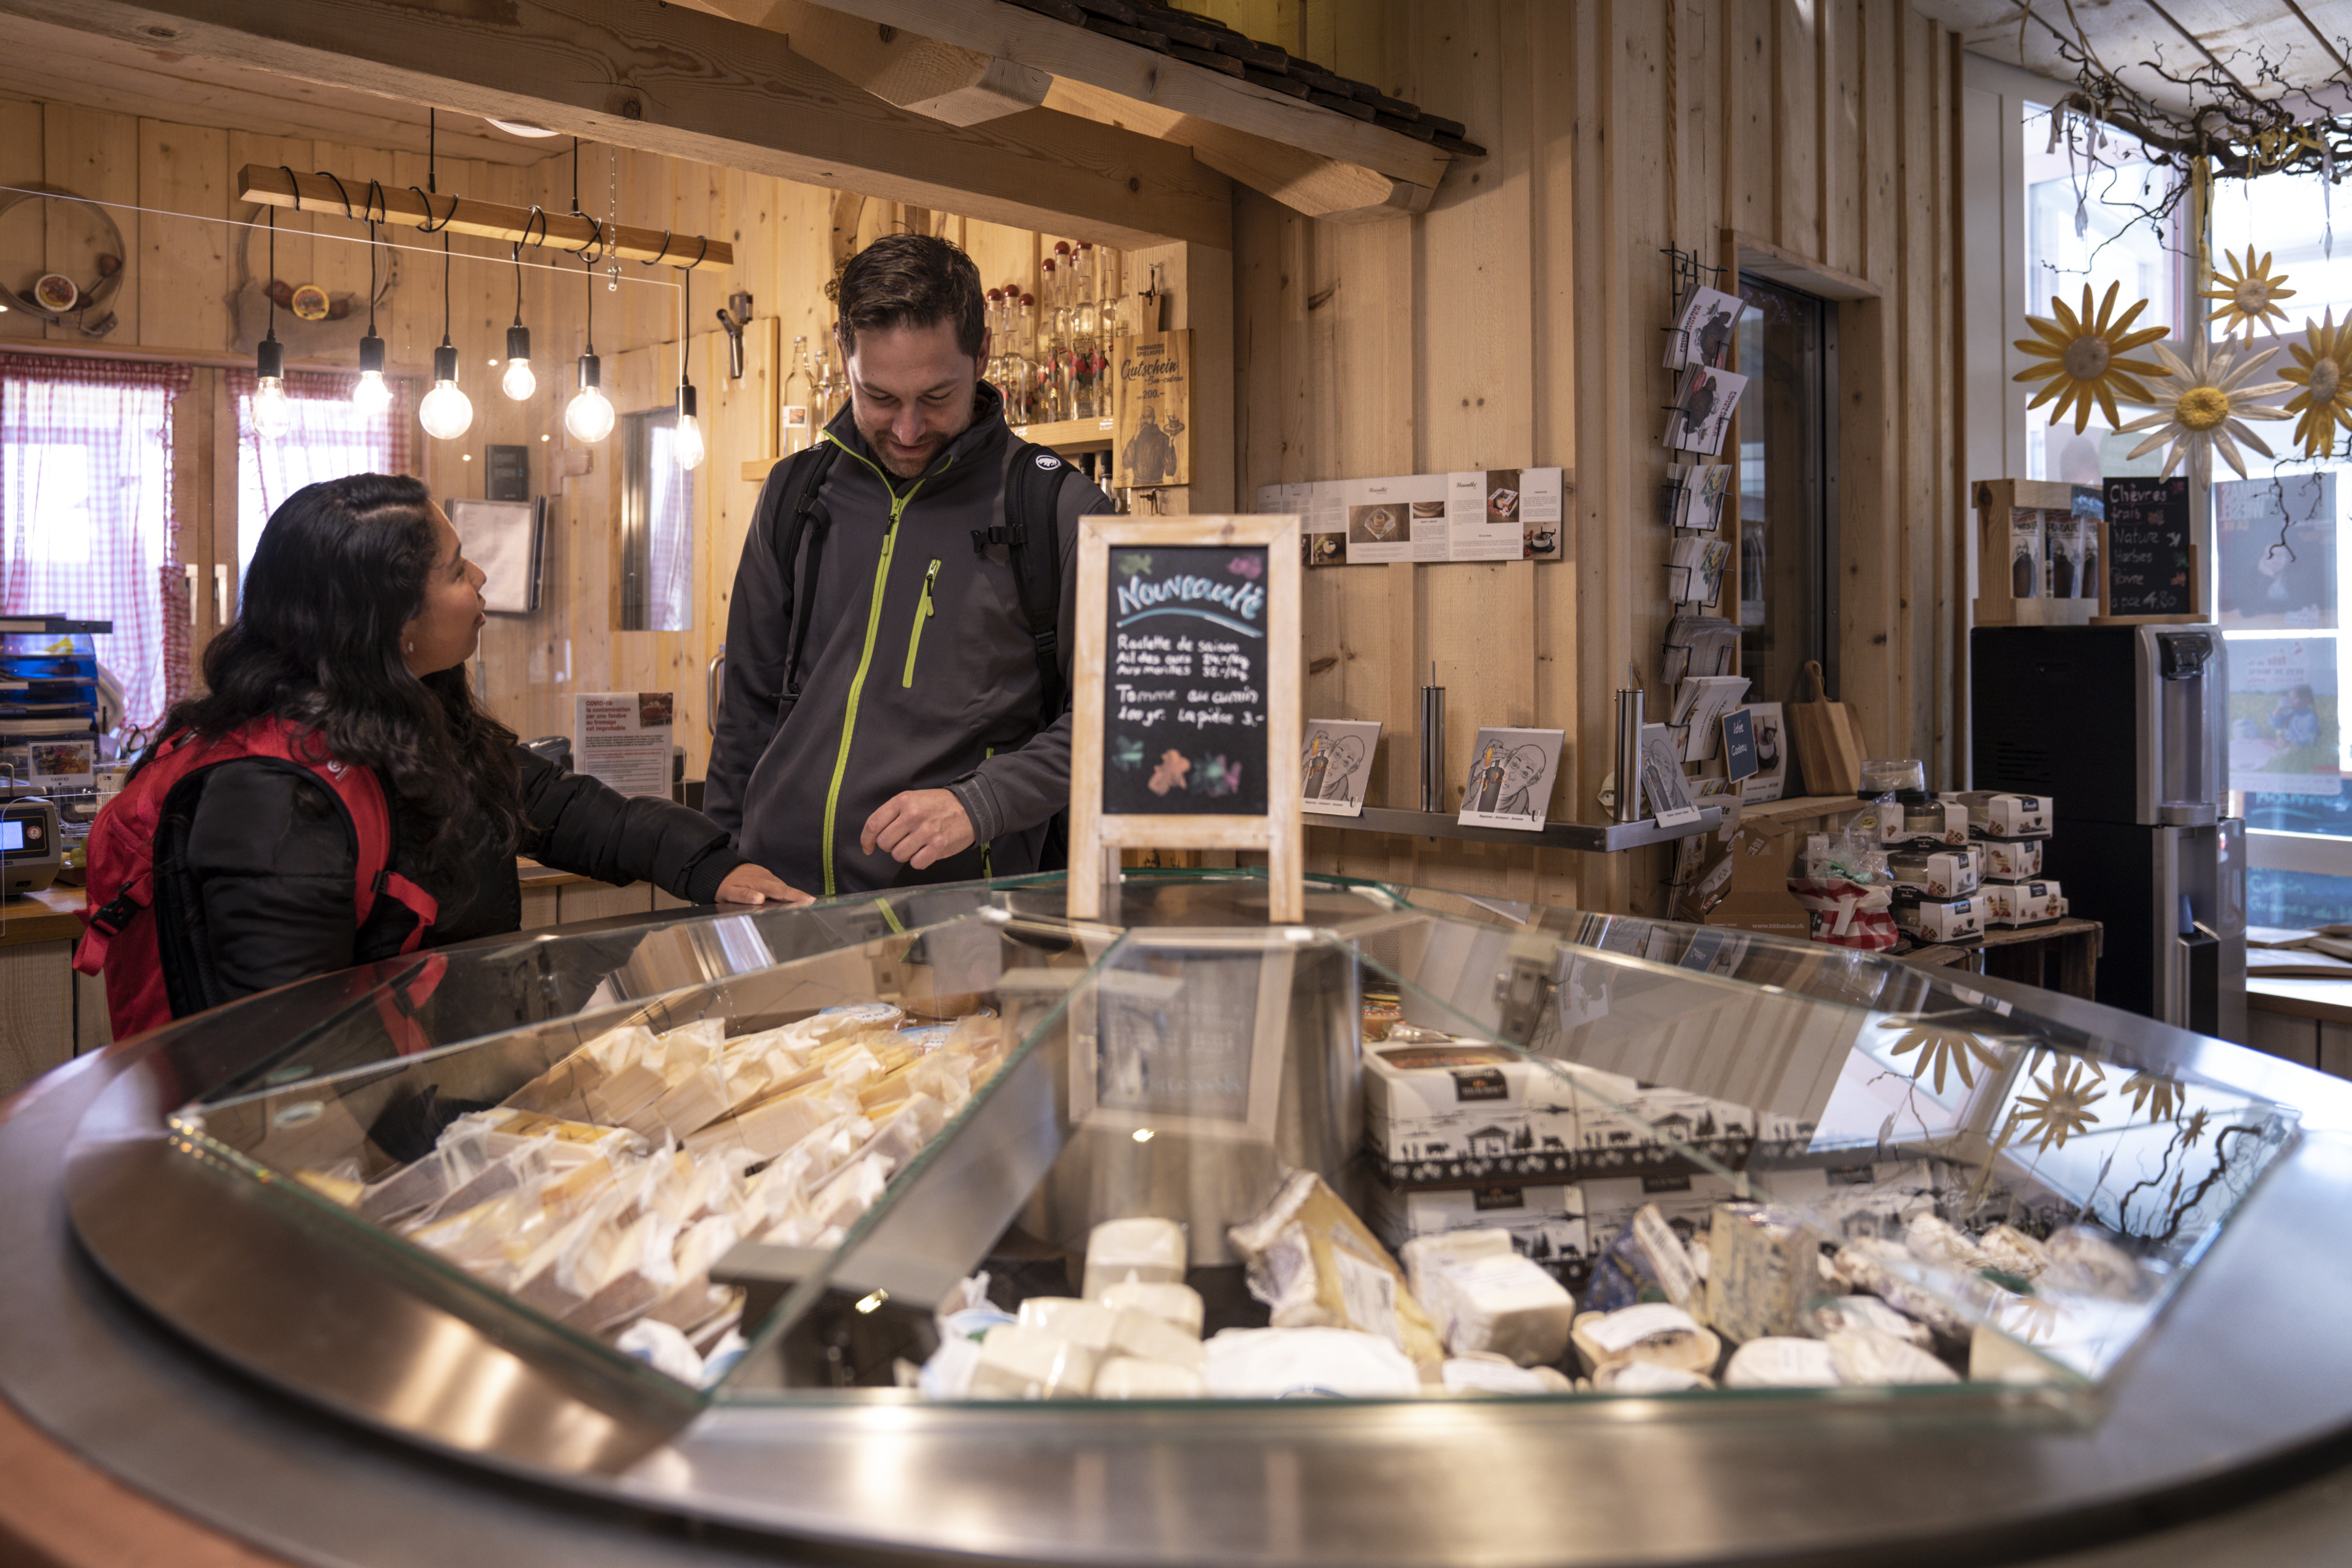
2148, 553
1185, 730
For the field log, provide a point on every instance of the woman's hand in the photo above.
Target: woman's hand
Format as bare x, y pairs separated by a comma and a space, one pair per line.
749, 884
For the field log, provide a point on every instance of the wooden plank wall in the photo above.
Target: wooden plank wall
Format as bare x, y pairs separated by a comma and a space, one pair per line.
176, 303
1516, 323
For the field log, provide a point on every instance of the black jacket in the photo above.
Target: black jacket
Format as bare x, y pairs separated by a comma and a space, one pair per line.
920, 669
273, 864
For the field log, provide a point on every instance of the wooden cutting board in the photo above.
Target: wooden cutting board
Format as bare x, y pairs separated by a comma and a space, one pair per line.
1829, 746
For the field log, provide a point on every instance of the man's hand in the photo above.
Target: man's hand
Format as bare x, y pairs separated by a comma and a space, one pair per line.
749, 884
918, 827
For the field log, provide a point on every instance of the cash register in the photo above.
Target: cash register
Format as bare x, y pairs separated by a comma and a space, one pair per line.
31, 848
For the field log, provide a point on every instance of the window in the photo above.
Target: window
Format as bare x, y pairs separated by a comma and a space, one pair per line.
657, 527
2084, 225
2280, 557
329, 439
85, 512
1787, 605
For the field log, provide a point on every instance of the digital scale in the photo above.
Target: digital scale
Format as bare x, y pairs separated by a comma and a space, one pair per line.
32, 850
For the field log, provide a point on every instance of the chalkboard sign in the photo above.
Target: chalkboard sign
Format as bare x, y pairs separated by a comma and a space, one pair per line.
1184, 692
2147, 552
1184, 726
1738, 744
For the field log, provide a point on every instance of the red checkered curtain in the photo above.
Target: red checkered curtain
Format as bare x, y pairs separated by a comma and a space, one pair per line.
85, 512
328, 439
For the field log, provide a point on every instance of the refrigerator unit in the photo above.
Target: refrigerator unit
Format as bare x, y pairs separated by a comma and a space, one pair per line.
2125, 729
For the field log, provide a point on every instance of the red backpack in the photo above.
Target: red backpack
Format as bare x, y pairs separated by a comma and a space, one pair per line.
123, 885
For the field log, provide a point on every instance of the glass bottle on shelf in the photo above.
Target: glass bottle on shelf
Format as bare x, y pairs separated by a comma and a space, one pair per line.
799, 399
1053, 328
1086, 337
993, 369
1033, 378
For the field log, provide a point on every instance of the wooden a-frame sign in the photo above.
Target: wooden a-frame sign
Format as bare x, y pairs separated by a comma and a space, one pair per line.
1185, 691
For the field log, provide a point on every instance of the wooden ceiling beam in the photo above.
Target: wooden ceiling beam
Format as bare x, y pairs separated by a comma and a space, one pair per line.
347, 195
1311, 159
636, 73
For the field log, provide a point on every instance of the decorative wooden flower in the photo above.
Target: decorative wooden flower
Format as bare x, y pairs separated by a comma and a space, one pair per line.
2193, 1131
2063, 1106
2084, 358
2248, 294
2322, 368
1940, 1048
2201, 404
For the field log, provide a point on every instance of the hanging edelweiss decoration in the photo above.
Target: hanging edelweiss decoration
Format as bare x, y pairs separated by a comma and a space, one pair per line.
2202, 404
2248, 294
2322, 368
2084, 358
1940, 1049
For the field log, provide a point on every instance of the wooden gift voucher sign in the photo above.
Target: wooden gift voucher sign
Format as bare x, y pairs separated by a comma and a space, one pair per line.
1151, 440
2147, 554
1185, 728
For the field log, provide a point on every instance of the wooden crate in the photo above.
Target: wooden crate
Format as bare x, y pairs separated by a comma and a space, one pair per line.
1997, 603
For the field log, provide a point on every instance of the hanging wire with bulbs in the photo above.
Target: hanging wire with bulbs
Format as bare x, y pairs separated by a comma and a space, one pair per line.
446, 412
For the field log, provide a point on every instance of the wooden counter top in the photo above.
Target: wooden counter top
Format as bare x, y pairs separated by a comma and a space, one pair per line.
54, 913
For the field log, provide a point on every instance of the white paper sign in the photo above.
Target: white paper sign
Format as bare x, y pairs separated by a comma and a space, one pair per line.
622, 739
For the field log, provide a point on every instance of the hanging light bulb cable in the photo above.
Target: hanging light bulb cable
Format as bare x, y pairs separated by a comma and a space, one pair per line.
446, 412
519, 380
371, 395
689, 444
272, 416
589, 416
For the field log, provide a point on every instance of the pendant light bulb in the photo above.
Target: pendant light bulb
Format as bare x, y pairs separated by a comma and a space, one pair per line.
589, 416
272, 414
687, 441
519, 380
446, 412
372, 396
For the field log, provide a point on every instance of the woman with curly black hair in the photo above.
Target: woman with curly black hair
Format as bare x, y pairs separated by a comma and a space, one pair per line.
348, 659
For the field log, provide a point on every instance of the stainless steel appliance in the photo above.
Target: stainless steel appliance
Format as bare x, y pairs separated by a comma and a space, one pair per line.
2123, 729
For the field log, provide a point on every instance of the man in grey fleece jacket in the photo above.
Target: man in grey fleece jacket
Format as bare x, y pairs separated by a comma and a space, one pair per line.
902, 743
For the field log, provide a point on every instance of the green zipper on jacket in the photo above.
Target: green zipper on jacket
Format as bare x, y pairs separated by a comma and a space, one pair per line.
987, 860
922, 613
865, 657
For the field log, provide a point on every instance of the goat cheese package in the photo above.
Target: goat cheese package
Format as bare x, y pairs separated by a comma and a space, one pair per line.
1499, 1305
1943, 920
1543, 1223
1316, 1265
1457, 1114
2023, 903
1145, 1249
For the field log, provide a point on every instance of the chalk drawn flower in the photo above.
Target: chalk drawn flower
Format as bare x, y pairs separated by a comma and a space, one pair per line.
1246, 566
1219, 776
1135, 563
1170, 774
1127, 752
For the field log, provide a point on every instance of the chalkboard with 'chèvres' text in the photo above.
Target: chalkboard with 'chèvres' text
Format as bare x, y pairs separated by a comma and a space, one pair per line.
2149, 565
1184, 672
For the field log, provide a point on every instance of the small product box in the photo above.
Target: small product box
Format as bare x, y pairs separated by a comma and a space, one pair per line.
1459, 1114
2023, 903
1546, 1223
1996, 816
1942, 920
1933, 874
1935, 822
2011, 859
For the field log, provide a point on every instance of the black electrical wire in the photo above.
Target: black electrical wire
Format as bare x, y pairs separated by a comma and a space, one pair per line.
517, 267
272, 290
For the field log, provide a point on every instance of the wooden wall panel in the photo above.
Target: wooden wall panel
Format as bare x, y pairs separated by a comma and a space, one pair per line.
24, 231
1614, 129
94, 154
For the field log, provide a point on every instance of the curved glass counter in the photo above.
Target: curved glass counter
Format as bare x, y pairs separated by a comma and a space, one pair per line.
600, 1203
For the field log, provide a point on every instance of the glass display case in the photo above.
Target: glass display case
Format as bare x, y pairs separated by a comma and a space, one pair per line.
950, 1147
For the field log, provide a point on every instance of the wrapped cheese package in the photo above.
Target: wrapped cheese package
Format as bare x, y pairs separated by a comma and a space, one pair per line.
1315, 1264
1147, 1250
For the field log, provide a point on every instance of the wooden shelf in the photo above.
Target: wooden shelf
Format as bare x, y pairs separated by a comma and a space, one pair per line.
1068, 435
1592, 837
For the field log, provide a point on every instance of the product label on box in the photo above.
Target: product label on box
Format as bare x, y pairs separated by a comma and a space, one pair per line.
1487, 1084
1486, 1199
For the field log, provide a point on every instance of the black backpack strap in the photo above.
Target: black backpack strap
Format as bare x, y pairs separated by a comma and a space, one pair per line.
1034, 544
806, 515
